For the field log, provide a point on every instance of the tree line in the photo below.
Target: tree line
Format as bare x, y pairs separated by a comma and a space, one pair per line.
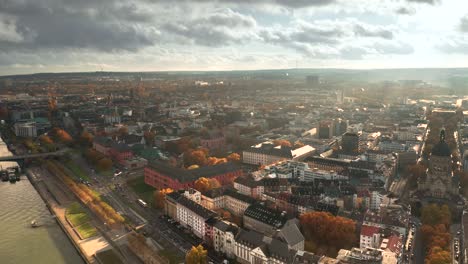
89, 197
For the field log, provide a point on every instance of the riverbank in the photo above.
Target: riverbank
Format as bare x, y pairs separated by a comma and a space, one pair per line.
57, 201
55, 209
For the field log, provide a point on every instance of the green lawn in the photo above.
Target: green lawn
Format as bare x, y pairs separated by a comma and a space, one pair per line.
73, 167
75, 208
86, 230
78, 219
171, 256
143, 190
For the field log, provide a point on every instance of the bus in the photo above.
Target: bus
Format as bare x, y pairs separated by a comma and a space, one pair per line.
142, 203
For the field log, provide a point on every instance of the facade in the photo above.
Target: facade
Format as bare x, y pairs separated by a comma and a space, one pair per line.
193, 216
25, 129
350, 143
224, 238
213, 143
267, 153
369, 237
439, 182
161, 176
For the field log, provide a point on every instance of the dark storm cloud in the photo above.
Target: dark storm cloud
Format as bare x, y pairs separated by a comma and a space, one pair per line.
102, 25
217, 29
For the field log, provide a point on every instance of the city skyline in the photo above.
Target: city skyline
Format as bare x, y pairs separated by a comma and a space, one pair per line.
114, 35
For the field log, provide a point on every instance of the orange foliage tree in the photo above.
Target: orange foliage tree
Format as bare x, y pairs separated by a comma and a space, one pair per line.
435, 233
204, 184
327, 232
233, 157
159, 196
282, 142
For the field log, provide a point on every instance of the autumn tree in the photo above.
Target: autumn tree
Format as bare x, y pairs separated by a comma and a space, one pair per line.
104, 164
198, 157
282, 142
159, 197
197, 255
298, 144
150, 137
123, 131
326, 230
62, 135
86, 139
434, 214
233, 157
203, 184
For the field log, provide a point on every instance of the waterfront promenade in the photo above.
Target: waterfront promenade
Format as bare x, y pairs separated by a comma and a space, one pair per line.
57, 200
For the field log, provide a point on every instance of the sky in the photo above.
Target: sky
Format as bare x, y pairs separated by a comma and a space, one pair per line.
173, 35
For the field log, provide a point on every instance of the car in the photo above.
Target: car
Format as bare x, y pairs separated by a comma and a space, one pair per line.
458, 232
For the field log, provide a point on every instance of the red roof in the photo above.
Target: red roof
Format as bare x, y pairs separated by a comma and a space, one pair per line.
395, 244
369, 230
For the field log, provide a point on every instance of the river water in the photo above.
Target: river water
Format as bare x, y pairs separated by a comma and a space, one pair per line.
19, 242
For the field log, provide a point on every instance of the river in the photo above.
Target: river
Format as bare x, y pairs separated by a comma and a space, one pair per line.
19, 242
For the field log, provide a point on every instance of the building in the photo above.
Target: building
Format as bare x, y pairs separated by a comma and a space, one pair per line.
25, 129
213, 143
439, 183
361, 256
267, 153
326, 129
161, 176
369, 236
193, 215
350, 143
260, 218
254, 247
224, 234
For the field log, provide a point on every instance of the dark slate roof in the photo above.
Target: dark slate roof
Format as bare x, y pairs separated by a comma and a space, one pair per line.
131, 139
269, 149
250, 238
265, 215
183, 175
223, 226
271, 247
246, 181
195, 207
291, 234
239, 196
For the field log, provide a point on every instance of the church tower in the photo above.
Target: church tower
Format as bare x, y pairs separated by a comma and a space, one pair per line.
439, 182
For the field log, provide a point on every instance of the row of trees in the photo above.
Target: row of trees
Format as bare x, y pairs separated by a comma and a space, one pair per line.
137, 244
326, 233
200, 157
435, 233
103, 210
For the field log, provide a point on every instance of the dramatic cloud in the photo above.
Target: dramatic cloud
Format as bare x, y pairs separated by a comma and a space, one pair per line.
59, 35
217, 29
47, 24
327, 38
285, 3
